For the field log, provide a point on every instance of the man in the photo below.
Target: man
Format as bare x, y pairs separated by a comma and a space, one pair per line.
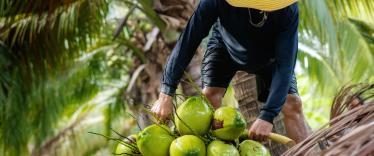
247, 39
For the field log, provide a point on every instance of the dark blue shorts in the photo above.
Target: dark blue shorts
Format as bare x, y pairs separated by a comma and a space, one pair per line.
218, 69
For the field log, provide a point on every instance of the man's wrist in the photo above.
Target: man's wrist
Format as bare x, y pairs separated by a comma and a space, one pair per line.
267, 116
164, 97
166, 89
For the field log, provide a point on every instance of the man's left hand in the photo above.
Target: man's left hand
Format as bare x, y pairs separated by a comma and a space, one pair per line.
260, 130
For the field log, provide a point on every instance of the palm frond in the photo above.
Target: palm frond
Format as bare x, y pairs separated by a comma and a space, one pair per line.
335, 39
366, 30
68, 27
342, 48
358, 9
316, 20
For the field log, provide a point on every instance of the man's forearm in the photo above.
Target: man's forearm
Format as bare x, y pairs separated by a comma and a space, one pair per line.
197, 28
277, 97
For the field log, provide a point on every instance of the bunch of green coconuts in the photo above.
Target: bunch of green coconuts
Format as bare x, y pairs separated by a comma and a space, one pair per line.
198, 131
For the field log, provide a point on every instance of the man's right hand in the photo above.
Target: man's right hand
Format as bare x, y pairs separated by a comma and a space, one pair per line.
163, 107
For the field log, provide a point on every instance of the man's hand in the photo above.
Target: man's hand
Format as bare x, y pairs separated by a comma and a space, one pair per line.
163, 107
260, 130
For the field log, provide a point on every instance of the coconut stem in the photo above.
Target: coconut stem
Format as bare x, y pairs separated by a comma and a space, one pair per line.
207, 102
127, 138
137, 122
117, 133
132, 147
154, 117
281, 139
192, 83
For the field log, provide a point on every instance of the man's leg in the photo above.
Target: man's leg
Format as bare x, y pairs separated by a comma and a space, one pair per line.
214, 95
217, 70
294, 120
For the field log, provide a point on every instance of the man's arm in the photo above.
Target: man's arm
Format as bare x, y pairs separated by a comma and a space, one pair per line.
286, 52
197, 28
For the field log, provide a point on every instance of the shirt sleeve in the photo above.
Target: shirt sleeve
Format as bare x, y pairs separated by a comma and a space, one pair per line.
197, 28
285, 55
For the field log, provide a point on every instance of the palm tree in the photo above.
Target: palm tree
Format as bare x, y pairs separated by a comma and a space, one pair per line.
51, 61
61, 67
313, 36
48, 100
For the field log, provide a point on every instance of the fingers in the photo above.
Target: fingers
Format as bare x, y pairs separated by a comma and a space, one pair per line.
164, 116
251, 135
160, 112
258, 136
163, 107
263, 137
156, 110
260, 130
266, 137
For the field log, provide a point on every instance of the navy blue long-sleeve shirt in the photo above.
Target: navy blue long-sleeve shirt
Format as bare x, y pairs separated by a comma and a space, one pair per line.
248, 46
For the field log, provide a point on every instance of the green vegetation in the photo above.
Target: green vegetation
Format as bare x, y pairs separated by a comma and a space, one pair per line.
336, 48
67, 66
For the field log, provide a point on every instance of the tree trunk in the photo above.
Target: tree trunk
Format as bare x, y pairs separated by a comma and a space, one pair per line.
246, 94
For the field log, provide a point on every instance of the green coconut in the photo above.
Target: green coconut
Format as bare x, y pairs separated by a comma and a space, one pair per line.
244, 135
155, 140
253, 148
187, 145
228, 123
220, 148
128, 146
196, 113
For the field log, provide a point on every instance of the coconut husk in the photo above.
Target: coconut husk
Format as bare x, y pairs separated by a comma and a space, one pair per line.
350, 130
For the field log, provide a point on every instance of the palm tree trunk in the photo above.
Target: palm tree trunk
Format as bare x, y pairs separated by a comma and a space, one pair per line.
246, 94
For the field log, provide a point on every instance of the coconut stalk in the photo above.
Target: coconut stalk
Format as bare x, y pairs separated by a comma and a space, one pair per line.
128, 144
278, 138
281, 139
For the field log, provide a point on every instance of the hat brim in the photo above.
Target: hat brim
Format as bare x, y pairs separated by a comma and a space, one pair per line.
265, 5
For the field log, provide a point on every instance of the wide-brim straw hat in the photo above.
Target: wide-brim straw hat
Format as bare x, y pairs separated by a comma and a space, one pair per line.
265, 5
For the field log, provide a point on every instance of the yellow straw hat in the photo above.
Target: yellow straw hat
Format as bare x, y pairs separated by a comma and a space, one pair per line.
266, 5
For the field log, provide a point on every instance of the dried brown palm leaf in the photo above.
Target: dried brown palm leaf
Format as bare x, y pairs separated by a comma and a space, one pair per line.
343, 126
358, 142
349, 95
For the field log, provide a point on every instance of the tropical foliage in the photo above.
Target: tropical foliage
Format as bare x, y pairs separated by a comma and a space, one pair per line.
337, 48
64, 73
57, 58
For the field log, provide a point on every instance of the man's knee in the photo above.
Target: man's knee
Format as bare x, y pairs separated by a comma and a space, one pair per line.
214, 95
293, 105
